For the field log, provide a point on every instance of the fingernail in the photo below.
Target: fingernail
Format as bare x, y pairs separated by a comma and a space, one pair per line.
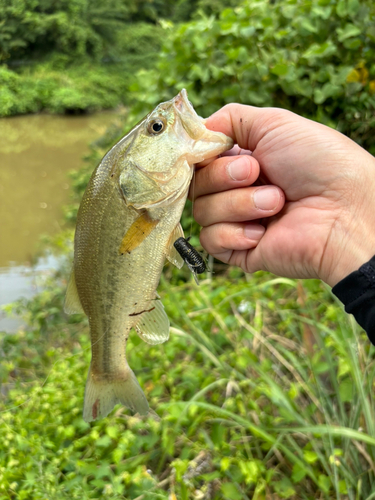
266, 198
239, 169
254, 232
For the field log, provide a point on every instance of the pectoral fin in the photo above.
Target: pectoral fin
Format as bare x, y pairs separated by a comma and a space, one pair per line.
173, 256
153, 325
72, 304
137, 232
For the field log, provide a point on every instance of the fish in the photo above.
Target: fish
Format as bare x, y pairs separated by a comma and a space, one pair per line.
127, 222
192, 258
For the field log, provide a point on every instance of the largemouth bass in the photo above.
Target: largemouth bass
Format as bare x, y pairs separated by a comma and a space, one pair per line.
127, 223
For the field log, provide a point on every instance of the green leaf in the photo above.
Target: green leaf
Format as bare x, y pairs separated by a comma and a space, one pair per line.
112, 431
343, 368
284, 488
298, 473
230, 491
324, 483
353, 7
348, 31
341, 8
346, 390
250, 470
307, 25
320, 95
103, 442
323, 12
320, 50
352, 44
310, 456
280, 69
343, 489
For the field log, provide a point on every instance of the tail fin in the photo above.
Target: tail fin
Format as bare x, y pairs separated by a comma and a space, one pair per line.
102, 396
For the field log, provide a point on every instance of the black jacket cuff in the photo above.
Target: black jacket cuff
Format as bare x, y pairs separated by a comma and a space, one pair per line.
357, 293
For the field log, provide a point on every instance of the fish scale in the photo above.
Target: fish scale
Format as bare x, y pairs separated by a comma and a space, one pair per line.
126, 225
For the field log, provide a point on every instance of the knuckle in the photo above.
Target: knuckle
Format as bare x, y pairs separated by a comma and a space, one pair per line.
213, 239
232, 202
221, 237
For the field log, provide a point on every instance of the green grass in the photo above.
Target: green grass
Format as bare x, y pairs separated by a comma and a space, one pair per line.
264, 390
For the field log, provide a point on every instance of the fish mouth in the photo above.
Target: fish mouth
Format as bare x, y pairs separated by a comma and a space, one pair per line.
183, 104
206, 143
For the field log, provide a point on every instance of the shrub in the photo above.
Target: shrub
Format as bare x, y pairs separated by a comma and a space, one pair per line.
33, 28
313, 57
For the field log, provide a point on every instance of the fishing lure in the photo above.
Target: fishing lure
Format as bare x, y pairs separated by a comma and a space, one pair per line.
191, 256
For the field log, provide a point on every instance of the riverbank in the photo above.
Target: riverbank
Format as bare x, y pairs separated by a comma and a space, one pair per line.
60, 84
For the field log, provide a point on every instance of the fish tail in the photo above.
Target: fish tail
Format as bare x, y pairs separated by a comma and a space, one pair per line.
101, 396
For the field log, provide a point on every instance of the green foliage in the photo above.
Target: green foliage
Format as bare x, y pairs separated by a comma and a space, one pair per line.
76, 90
248, 407
313, 57
74, 27
31, 29
57, 86
260, 393
176, 11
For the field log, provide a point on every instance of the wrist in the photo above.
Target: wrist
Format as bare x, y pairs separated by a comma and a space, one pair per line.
348, 261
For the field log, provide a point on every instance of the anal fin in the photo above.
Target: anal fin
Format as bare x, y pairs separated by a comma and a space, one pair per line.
137, 232
153, 325
72, 304
173, 256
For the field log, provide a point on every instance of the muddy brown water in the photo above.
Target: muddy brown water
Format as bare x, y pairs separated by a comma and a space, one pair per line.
36, 154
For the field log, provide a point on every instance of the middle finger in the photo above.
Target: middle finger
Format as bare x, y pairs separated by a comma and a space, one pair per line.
238, 205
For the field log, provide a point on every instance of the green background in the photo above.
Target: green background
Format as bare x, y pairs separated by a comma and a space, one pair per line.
265, 389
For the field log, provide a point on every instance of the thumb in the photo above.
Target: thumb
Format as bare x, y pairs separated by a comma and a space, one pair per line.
244, 124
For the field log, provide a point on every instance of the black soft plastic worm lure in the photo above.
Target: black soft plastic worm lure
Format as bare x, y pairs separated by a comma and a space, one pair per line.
191, 256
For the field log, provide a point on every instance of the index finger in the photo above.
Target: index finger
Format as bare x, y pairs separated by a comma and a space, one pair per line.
235, 151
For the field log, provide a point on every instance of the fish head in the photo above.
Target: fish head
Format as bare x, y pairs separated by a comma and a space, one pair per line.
164, 147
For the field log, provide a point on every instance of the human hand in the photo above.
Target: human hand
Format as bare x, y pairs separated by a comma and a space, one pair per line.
326, 229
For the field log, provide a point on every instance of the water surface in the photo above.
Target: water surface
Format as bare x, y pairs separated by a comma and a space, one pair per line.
36, 154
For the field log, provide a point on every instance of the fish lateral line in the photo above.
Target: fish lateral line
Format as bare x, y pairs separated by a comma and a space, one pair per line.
144, 311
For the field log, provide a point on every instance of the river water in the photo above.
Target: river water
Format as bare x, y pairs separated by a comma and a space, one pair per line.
36, 154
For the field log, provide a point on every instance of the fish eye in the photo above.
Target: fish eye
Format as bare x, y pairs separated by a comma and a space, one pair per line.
156, 126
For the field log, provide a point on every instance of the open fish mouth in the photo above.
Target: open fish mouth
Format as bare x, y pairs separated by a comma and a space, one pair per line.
183, 104
207, 141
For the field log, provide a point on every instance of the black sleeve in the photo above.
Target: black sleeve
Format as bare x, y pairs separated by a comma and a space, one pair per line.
357, 293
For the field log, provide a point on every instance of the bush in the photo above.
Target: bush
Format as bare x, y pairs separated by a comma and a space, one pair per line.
34, 28
313, 57
78, 89
59, 86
